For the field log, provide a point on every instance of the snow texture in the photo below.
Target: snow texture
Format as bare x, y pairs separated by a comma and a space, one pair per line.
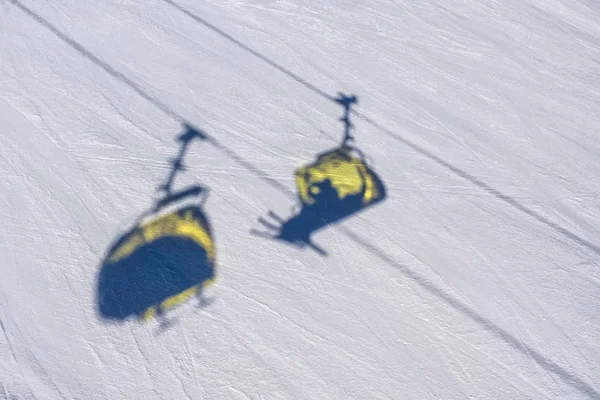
477, 277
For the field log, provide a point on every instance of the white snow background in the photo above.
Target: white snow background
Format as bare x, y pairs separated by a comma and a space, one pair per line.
478, 277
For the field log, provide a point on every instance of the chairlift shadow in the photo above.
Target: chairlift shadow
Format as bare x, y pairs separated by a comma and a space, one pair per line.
166, 258
338, 184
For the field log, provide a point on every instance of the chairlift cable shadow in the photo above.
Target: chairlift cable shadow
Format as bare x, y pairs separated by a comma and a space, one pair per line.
567, 377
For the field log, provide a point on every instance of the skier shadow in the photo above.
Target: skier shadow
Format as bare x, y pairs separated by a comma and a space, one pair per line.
167, 257
337, 185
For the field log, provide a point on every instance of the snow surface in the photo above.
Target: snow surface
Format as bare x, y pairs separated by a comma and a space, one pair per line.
478, 277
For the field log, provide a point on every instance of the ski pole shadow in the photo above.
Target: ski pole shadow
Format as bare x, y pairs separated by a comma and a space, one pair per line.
167, 257
336, 185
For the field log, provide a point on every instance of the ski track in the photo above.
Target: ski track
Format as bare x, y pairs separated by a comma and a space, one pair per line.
476, 278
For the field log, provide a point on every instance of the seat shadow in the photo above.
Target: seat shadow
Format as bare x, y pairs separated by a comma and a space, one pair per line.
338, 184
166, 258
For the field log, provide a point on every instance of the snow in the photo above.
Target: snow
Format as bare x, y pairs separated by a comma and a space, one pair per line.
476, 278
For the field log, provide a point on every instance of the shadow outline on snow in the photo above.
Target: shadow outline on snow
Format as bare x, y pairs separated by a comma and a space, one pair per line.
166, 258
337, 185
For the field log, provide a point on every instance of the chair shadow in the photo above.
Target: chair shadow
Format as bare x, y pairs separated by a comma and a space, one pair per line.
165, 259
338, 184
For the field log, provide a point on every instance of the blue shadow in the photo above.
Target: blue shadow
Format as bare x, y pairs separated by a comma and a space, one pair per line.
339, 183
153, 272
166, 258
327, 209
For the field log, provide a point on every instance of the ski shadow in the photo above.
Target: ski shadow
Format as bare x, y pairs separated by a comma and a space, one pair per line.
165, 259
338, 184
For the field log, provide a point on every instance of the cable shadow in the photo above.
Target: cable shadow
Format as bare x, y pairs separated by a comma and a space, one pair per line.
550, 366
459, 172
337, 185
165, 259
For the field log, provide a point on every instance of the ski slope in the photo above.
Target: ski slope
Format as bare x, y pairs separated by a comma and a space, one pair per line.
478, 276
